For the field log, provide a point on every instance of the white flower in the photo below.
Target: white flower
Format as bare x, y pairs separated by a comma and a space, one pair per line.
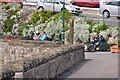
13, 17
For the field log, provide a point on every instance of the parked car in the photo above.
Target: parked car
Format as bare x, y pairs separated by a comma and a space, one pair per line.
12, 1
110, 8
86, 3
57, 6
30, 2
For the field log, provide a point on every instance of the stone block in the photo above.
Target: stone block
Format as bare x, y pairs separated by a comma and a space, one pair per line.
43, 71
52, 68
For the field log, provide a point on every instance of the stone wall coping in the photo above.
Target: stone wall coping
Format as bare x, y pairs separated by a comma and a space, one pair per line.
31, 43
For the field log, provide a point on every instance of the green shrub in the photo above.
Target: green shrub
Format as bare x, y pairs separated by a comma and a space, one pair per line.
35, 17
101, 27
67, 16
90, 29
11, 17
45, 15
91, 23
22, 27
8, 25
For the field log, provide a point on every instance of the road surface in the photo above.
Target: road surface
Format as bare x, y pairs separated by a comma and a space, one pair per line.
96, 65
93, 14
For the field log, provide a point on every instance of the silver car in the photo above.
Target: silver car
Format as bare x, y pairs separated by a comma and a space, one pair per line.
110, 8
57, 6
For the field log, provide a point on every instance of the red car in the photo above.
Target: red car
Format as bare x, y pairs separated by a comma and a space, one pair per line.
12, 1
86, 3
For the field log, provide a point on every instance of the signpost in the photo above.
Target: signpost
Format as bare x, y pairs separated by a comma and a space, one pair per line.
63, 15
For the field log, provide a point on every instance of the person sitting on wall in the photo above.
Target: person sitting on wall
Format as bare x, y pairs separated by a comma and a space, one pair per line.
43, 36
97, 42
36, 36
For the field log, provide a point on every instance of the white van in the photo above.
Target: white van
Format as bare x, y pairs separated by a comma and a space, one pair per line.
57, 6
110, 8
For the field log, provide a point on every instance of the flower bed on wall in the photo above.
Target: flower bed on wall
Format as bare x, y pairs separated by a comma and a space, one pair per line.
26, 20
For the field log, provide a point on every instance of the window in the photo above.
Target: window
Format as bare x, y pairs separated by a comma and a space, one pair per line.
56, 2
112, 3
119, 3
47, 1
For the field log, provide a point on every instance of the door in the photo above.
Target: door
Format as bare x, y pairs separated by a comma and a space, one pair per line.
113, 8
56, 7
47, 5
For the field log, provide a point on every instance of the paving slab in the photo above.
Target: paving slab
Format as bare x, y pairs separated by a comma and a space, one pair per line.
96, 65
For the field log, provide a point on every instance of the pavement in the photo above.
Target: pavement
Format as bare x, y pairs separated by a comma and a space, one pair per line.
90, 11
96, 65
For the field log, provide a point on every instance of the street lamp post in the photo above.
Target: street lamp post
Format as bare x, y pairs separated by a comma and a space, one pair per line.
63, 15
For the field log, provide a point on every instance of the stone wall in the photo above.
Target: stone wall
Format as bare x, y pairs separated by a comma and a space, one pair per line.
39, 60
11, 51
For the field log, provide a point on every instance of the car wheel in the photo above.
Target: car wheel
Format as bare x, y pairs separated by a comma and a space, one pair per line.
118, 17
106, 14
40, 8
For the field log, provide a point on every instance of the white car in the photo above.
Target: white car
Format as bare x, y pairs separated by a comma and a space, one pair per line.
30, 2
57, 6
110, 8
